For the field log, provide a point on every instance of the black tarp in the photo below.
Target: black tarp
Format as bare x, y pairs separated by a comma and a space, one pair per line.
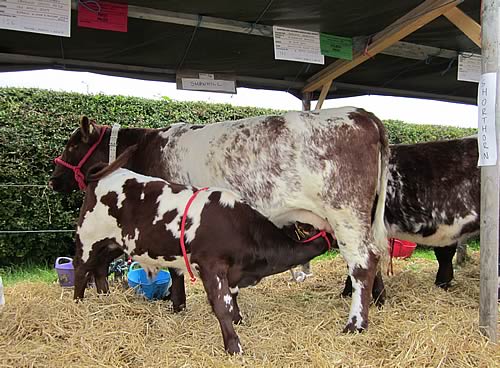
164, 45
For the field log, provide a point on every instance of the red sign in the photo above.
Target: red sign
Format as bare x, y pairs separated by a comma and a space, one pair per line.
103, 15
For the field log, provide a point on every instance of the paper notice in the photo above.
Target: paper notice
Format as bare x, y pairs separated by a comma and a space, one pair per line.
469, 67
52, 17
486, 135
297, 45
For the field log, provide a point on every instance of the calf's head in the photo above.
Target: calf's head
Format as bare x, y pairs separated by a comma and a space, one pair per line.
87, 138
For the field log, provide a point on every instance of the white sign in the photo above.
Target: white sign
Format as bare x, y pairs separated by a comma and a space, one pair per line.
297, 45
206, 76
486, 136
211, 85
469, 67
51, 17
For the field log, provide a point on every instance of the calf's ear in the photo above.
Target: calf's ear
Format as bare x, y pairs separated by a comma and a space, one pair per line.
86, 127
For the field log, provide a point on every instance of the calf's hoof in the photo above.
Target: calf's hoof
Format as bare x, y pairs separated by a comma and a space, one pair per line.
238, 320
179, 308
352, 327
443, 285
234, 347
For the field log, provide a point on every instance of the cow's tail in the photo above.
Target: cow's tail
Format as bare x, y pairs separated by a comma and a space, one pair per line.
101, 170
379, 231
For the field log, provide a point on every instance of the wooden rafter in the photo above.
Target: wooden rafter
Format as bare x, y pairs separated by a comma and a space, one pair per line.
323, 94
465, 23
409, 23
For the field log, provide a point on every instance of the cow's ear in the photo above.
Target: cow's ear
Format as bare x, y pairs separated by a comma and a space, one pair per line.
87, 128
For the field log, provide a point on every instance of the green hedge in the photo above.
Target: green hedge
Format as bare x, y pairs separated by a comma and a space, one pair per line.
35, 124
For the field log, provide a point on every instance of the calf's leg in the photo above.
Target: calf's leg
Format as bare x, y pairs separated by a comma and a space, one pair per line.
444, 256
177, 291
237, 318
216, 285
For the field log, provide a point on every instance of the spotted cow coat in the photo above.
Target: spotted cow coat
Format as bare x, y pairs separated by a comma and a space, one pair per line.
326, 168
229, 244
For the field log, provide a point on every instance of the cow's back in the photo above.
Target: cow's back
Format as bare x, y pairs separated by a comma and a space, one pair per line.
433, 191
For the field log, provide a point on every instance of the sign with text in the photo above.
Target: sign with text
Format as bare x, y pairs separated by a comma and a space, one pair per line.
297, 45
103, 15
486, 134
38, 16
206, 84
469, 67
335, 46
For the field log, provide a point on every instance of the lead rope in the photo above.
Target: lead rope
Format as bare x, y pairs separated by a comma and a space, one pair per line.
183, 229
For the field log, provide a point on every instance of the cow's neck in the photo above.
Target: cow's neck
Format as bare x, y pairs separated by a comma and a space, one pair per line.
128, 137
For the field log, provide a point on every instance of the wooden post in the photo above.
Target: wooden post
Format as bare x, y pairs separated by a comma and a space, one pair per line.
306, 101
490, 175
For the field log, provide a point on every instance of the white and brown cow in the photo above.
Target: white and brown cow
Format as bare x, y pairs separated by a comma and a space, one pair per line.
228, 244
326, 168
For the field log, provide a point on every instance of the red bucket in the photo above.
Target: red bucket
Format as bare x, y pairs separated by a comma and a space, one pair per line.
401, 248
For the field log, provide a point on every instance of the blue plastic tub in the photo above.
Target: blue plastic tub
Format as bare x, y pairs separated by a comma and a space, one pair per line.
157, 288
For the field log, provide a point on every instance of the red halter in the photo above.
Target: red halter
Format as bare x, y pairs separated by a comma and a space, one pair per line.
183, 229
79, 177
322, 234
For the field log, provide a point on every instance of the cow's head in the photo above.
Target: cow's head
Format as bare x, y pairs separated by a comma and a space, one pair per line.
82, 140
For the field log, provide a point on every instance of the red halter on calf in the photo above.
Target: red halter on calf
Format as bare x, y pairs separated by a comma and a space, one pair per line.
79, 177
322, 233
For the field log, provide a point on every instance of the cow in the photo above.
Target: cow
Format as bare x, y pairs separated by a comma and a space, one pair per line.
228, 244
326, 168
433, 198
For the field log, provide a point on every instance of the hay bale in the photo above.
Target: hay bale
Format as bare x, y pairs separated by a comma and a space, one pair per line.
286, 325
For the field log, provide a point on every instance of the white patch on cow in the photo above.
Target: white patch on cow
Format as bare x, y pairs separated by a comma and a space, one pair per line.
234, 290
142, 196
356, 306
228, 300
155, 264
129, 241
228, 199
349, 231
240, 348
219, 283
444, 235
96, 226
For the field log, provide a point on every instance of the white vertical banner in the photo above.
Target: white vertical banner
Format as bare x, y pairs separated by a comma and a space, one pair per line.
486, 136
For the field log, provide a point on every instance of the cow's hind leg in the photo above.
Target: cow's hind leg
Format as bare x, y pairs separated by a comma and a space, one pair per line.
177, 290
378, 290
237, 318
214, 277
444, 256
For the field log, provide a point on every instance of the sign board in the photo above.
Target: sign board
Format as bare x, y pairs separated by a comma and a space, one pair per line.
486, 134
297, 45
206, 82
103, 15
37, 16
335, 46
469, 67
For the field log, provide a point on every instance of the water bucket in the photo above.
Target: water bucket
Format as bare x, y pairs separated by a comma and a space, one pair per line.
65, 271
401, 248
156, 288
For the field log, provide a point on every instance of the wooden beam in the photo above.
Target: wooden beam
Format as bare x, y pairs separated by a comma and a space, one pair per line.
465, 23
490, 181
323, 94
409, 23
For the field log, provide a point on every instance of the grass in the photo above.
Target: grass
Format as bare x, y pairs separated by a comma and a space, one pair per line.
28, 272
46, 273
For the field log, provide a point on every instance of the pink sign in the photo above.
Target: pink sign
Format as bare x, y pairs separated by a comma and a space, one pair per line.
103, 15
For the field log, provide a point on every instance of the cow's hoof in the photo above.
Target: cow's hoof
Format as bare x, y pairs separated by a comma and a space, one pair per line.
179, 308
351, 328
443, 285
238, 320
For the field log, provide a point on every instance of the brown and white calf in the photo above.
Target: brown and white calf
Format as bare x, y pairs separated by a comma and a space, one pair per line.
229, 244
327, 168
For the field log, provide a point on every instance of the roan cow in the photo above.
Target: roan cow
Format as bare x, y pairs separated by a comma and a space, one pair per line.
326, 168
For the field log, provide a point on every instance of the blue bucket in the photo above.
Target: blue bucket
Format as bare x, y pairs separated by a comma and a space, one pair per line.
156, 288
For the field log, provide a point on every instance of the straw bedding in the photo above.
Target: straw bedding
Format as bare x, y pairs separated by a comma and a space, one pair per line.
286, 325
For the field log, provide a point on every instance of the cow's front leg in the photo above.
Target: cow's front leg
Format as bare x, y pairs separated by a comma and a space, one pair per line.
237, 318
362, 271
177, 291
223, 304
378, 291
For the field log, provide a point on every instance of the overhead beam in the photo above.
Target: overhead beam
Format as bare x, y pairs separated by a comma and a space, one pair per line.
409, 23
465, 23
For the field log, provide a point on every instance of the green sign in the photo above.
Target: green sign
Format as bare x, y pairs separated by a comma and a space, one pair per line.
335, 46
